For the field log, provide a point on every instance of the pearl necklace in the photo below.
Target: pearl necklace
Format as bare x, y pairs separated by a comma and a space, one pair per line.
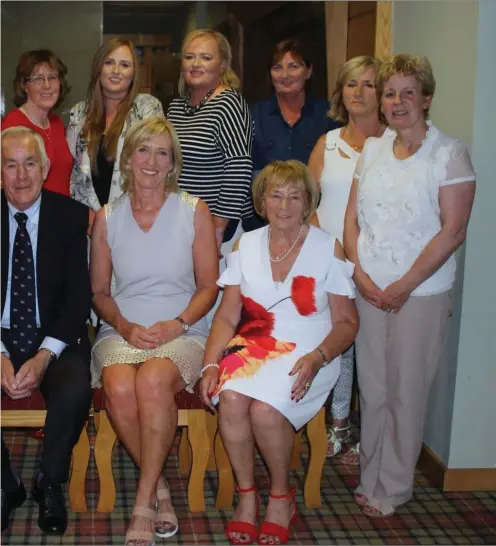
281, 257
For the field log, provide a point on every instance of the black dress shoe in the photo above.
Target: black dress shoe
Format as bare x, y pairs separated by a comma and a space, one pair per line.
52, 518
10, 501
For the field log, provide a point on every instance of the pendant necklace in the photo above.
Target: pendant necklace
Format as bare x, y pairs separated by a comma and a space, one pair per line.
47, 131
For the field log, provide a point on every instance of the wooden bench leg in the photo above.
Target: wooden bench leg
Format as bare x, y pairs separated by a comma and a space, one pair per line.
296, 456
184, 453
200, 448
80, 459
317, 437
225, 489
104, 445
211, 430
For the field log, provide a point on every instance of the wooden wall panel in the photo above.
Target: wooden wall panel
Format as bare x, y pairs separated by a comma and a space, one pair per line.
336, 22
383, 46
361, 29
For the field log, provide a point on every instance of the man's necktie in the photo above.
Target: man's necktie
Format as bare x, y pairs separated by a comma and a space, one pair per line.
23, 291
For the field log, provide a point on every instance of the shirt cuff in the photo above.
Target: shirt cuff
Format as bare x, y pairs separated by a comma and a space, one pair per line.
4, 350
54, 345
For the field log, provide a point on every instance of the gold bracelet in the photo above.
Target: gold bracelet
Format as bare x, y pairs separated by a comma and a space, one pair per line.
322, 356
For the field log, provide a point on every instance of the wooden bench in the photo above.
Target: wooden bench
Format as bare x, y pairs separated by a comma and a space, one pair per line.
31, 412
200, 428
317, 437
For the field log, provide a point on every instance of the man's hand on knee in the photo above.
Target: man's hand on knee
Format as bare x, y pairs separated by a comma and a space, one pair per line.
31, 372
9, 382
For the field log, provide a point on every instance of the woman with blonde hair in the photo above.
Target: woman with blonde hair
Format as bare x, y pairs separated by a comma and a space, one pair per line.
98, 125
408, 212
214, 125
332, 163
272, 356
160, 243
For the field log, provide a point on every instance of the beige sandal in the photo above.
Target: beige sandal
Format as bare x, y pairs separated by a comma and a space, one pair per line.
141, 538
167, 518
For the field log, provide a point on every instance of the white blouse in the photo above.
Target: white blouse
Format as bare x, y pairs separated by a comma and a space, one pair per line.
335, 183
398, 206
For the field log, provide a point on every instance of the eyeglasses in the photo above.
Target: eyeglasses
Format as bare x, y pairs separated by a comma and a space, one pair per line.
40, 79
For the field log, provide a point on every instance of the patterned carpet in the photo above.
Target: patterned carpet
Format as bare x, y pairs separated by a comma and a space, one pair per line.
431, 518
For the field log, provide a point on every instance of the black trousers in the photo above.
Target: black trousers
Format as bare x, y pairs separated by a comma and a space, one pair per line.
66, 390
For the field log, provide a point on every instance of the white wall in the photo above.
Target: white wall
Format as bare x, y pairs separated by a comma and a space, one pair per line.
459, 39
473, 438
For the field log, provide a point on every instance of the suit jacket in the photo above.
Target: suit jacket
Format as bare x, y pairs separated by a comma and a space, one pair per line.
63, 282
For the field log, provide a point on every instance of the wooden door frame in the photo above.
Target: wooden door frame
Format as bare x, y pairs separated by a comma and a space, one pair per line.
336, 21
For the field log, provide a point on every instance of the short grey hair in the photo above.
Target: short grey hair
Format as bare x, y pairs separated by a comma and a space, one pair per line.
21, 131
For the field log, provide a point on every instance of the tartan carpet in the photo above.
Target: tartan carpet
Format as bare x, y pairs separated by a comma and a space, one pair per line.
432, 517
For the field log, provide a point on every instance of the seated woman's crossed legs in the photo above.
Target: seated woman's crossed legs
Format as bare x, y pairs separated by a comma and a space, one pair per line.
243, 422
142, 409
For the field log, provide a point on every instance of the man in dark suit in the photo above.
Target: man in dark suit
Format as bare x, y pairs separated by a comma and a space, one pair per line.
46, 299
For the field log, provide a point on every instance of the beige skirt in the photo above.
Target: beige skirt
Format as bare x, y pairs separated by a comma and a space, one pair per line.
186, 352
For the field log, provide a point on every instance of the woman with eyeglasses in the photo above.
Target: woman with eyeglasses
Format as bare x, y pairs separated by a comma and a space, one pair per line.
40, 86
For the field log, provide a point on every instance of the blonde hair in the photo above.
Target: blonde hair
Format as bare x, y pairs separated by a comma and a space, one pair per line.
138, 134
350, 69
228, 76
94, 124
408, 65
20, 131
286, 173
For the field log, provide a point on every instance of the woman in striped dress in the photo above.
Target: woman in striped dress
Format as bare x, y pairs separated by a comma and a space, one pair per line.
215, 128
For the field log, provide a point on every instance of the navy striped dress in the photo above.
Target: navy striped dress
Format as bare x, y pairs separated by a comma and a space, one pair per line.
216, 144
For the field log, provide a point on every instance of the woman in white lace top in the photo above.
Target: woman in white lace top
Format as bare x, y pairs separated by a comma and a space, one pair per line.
408, 212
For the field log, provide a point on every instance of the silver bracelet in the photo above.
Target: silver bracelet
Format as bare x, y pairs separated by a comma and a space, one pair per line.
213, 365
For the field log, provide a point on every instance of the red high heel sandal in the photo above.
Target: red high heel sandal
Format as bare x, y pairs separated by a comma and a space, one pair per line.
244, 527
275, 530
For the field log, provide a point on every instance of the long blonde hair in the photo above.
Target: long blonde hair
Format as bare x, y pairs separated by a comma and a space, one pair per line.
228, 76
94, 125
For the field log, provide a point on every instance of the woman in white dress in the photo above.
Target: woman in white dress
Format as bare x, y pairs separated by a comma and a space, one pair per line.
272, 356
332, 164
408, 212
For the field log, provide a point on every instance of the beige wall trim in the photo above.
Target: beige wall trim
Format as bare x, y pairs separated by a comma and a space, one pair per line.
336, 21
383, 29
455, 479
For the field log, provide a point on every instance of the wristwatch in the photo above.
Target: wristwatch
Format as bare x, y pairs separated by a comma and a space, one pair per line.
183, 323
53, 356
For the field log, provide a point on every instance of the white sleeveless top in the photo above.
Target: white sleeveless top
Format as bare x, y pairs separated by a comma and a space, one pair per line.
335, 183
398, 206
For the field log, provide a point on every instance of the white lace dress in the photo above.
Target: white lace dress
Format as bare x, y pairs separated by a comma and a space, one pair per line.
398, 206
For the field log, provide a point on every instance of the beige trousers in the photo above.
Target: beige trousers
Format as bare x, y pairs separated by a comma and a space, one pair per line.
397, 359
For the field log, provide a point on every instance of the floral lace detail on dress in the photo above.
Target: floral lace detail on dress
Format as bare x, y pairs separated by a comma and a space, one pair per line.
189, 199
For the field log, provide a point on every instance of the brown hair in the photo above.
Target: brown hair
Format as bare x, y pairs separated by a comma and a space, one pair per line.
139, 133
293, 46
94, 125
228, 77
348, 71
408, 65
25, 67
286, 173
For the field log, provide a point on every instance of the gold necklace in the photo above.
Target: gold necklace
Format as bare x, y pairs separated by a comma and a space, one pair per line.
47, 131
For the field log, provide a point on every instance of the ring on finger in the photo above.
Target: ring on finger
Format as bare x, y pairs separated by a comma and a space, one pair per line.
308, 385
